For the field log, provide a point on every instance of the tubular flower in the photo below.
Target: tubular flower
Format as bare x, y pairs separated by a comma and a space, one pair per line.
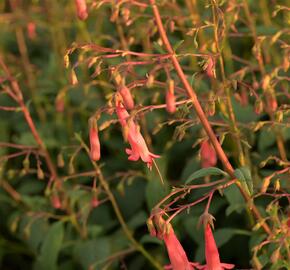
95, 151
170, 98
127, 97
138, 146
81, 7
211, 253
132, 132
176, 253
207, 154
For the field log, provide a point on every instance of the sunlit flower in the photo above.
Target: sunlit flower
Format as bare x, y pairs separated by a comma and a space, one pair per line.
207, 154
81, 7
138, 145
132, 132
211, 253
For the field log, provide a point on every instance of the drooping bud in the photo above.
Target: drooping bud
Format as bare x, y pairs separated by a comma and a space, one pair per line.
95, 151
55, 201
272, 102
207, 154
95, 201
59, 102
170, 98
81, 7
127, 97
210, 68
31, 30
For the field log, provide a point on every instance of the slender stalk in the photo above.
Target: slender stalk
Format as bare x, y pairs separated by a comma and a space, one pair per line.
118, 213
199, 111
17, 94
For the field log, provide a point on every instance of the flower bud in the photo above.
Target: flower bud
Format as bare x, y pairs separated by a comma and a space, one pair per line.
272, 102
207, 154
55, 201
95, 202
81, 7
210, 68
95, 152
31, 27
127, 97
170, 98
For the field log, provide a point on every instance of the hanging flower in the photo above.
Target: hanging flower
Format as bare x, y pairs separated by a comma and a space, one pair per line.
170, 98
132, 133
95, 151
81, 7
176, 253
211, 252
138, 145
207, 154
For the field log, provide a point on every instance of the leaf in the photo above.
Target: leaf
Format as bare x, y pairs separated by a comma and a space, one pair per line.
243, 174
158, 48
235, 199
91, 252
47, 260
204, 172
177, 45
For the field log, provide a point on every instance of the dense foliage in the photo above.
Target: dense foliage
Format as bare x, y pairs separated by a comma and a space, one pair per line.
139, 134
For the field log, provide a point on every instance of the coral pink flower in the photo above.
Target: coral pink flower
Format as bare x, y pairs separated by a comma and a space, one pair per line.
95, 151
138, 145
127, 97
207, 154
170, 98
81, 7
211, 253
176, 253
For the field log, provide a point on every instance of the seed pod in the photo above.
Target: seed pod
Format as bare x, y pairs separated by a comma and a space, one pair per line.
170, 98
81, 7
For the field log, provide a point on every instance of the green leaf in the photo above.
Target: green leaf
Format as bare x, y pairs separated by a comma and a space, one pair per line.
235, 199
177, 45
47, 260
243, 174
204, 172
158, 48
